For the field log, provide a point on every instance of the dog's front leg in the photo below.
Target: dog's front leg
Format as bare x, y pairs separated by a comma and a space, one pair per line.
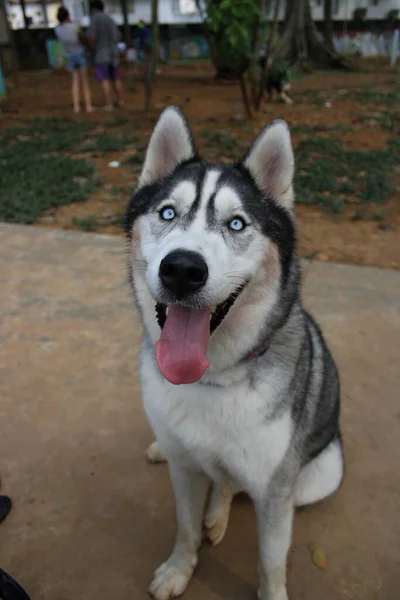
190, 489
286, 98
274, 516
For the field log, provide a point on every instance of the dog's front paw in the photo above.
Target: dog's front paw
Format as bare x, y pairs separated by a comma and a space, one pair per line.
154, 454
171, 578
215, 525
217, 515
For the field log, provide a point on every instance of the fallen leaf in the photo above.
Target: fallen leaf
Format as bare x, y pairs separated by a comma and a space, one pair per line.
318, 556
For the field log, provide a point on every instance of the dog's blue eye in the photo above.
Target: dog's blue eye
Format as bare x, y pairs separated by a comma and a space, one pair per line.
167, 213
237, 224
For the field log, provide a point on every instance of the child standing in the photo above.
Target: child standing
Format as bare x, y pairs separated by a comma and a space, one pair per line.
68, 34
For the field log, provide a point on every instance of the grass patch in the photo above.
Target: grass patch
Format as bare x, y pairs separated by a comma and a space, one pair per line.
388, 120
108, 142
340, 128
59, 134
30, 188
308, 97
329, 175
221, 144
116, 121
370, 95
86, 224
93, 222
359, 215
134, 159
213, 138
361, 95
118, 189
378, 216
34, 176
89, 145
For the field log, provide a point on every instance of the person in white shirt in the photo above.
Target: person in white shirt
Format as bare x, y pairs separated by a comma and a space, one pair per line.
68, 34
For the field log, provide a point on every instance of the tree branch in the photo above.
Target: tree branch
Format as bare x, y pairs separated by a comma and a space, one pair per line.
149, 100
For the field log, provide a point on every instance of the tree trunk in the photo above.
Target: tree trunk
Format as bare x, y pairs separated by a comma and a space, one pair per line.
13, 47
245, 97
26, 24
149, 100
268, 53
272, 36
254, 66
45, 16
301, 44
124, 9
328, 24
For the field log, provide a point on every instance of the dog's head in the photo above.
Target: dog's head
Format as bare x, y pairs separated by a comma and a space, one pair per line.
209, 244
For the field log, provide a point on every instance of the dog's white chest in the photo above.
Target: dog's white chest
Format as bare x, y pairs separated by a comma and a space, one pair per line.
216, 429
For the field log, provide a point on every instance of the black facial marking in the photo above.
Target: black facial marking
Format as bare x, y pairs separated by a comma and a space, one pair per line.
149, 197
266, 215
195, 205
211, 219
273, 221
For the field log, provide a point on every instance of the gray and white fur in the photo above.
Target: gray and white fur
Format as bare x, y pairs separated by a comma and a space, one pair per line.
264, 416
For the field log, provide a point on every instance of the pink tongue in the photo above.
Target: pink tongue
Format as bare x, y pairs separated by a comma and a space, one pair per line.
182, 349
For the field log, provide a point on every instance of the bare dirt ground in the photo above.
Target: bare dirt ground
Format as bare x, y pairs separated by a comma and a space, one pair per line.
357, 115
91, 519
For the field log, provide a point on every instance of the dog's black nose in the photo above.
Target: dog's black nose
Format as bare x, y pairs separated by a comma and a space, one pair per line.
183, 272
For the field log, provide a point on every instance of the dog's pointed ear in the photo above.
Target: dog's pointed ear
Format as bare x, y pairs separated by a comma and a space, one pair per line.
270, 161
171, 144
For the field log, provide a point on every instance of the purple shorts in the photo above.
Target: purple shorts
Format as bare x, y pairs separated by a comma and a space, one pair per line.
106, 72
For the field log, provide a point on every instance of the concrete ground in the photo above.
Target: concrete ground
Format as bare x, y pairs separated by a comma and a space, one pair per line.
91, 519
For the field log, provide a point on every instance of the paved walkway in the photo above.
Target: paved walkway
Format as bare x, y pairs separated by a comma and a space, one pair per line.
91, 519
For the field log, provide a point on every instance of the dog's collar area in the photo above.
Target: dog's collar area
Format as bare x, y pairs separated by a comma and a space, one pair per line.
260, 352
217, 317
253, 356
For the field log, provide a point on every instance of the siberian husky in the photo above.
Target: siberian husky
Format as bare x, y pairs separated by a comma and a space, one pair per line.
238, 384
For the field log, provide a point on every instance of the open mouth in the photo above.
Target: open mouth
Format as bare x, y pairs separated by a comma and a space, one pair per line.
181, 351
217, 313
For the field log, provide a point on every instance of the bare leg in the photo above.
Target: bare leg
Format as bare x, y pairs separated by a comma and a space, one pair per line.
118, 91
172, 577
86, 90
274, 517
75, 91
107, 94
219, 507
286, 98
